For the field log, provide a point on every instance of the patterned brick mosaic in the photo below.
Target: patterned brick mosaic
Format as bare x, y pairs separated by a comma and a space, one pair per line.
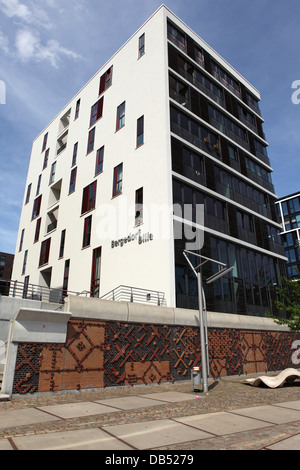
102, 354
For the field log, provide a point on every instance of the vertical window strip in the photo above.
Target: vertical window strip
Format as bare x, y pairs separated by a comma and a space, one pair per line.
118, 180
99, 161
140, 131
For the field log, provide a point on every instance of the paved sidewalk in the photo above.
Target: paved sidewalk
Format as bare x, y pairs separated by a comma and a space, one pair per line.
162, 417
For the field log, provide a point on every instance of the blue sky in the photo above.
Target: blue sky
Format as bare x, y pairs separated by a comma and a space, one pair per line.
50, 48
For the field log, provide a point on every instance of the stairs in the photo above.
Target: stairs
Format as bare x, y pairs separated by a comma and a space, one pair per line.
3, 396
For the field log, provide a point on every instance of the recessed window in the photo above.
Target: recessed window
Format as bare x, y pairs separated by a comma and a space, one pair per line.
89, 197
28, 193
118, 180
96, 266
21, 241
52, 173
91, 140
36, 207
141, 45
96, 111
99, 161
38, 187
75, 150
45, 164
139, 207
87, 231
24, 262
73, 180
62, 243
77, 109
120, 116
37, 230
105, 80
45, 142
66, 278
140, 131
45, 251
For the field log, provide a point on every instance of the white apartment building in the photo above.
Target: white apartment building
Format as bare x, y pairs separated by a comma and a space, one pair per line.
166, 120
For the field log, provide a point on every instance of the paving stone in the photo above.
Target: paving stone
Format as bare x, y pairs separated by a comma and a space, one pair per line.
130, 403
24, 417
85, 439
292, 443
151, 434
222, 423
271, 414
74, 410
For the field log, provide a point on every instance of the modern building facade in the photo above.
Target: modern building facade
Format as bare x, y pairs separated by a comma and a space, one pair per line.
166, 123
289, 214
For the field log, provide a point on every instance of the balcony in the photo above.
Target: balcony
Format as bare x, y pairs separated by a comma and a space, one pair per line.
203, 144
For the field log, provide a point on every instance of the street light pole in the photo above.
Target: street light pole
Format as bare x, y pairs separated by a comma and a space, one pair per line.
203, 337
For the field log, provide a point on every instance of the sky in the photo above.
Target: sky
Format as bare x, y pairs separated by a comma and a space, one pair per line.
49, 49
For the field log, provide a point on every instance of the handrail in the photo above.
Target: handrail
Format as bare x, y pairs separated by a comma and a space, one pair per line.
135, 294
12, 288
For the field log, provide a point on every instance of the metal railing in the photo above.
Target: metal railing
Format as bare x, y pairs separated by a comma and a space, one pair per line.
136, 294
18, 289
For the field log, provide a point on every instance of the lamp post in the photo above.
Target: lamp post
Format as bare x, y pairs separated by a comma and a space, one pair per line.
201, 297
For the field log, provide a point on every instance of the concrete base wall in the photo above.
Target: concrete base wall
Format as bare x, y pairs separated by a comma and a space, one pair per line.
95, 343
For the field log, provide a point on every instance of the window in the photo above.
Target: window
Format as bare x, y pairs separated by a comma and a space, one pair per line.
36, 207
99, 161
38, 185
118, 179
74, 158
95, 282
24, 262
62, 243
140, 131
45, 250
91, 140
141, 45
52, 173
21, 240
45, 142
87, 231
77, 109
139, 207
37, 230
89, 197
66, 278
25, 288
96, 111
120, 116
28, 194
105, 80
73, 180
45, 164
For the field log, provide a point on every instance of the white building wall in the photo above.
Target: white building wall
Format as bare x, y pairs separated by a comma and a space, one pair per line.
143, 84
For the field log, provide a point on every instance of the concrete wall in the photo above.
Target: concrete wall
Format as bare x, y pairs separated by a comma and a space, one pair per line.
95, 343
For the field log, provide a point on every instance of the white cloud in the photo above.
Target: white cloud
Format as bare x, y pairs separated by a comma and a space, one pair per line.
28, 20
13, 8
4, 42
29, 46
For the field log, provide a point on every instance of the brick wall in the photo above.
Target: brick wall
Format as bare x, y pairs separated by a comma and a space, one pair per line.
100, 354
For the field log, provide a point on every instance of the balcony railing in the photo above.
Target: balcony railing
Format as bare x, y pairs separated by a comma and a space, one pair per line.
136, 294
18, 289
